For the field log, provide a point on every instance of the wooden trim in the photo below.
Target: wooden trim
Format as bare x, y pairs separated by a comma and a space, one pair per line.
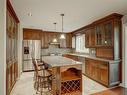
111, 16
11, 10
33, 29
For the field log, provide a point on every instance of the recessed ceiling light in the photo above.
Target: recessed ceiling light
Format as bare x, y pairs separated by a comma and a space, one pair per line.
29, 14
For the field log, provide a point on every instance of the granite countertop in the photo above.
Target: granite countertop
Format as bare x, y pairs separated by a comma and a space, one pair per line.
94, 57
58, 61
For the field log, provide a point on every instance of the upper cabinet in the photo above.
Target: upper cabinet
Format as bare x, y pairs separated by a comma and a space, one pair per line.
31, 34
104, 34
47, 37
90, 37
108, 31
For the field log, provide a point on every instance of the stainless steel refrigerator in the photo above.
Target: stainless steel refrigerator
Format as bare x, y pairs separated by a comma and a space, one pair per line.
31, 49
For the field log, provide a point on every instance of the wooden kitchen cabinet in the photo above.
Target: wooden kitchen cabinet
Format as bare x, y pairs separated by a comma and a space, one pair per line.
48, 37
107, 30
68, 40
103, 72
42, 40
90, 37
104, 34
97, 70
88, 69
31, 34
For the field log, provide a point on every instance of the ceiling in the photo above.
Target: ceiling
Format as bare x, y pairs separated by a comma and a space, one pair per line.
78, 13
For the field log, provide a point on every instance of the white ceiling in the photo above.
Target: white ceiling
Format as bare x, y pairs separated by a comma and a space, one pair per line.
78, 13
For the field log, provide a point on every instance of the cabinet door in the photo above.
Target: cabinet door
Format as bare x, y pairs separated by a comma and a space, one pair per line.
46, 40
87, 38
87, 67
104, 34
99, 34
90, 37
94, 70
42, 40
68, 40
108, 31
103, 73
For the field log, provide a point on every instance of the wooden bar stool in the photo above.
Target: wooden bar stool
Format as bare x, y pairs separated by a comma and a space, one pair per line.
43, 78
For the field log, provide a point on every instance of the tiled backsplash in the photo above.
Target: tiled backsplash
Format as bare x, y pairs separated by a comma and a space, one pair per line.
92, 52
55, 49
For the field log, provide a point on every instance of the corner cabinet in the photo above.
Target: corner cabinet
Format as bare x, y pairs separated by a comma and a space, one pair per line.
11, 48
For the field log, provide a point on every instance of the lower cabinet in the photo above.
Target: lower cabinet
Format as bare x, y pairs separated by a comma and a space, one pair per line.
103, 72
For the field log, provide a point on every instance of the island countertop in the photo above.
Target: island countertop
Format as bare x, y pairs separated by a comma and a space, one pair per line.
58, 61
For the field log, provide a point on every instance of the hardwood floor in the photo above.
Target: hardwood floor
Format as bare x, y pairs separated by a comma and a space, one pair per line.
113, 91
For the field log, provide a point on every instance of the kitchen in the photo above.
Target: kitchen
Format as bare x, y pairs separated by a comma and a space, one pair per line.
83, 61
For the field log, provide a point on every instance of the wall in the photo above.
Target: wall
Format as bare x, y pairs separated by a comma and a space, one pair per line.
2, 47
20, 38
124, 66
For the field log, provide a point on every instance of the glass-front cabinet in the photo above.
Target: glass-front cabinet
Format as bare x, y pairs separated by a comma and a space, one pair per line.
99, 35
104, 34
108, 31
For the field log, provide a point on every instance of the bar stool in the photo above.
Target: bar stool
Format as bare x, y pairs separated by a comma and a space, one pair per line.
43, 78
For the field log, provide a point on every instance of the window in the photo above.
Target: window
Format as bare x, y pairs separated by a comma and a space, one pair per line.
80, 44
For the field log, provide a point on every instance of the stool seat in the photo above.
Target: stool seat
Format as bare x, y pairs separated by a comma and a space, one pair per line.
44, 73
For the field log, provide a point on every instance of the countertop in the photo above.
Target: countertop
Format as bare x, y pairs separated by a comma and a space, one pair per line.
94, 57
58, 61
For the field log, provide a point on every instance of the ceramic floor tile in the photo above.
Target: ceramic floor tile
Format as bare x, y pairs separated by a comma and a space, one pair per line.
24, 86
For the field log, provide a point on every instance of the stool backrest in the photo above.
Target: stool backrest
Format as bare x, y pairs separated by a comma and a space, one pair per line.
34, 61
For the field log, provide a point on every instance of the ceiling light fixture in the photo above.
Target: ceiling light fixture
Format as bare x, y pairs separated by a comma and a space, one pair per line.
62, 36
55, 40
29, 14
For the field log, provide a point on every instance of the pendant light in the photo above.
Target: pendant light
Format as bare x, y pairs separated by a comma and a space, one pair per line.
62, 36
55, 40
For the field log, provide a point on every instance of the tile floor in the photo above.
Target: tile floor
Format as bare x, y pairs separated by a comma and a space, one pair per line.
24, 86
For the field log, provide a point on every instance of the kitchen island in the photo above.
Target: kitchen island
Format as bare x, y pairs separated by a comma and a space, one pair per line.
67, 75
